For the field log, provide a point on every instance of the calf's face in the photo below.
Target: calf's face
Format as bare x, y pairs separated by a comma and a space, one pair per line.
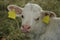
30, 15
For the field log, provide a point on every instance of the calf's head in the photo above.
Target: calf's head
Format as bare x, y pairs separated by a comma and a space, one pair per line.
31, 16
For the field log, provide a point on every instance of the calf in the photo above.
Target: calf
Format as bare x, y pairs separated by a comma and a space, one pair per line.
32, 15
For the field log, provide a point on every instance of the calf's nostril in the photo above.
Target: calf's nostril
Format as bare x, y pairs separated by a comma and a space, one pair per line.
22, 26
29, 27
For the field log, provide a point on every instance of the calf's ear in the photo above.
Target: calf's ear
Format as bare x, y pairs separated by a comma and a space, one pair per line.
49, 13
17, 9
46, 15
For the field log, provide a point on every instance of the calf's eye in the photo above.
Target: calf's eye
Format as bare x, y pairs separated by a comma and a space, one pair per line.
22, 16
37, 19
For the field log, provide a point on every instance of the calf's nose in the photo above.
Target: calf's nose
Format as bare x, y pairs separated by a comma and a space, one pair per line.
25, 28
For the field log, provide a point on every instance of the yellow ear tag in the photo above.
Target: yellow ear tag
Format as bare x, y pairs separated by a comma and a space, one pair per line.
46, 19
12, 14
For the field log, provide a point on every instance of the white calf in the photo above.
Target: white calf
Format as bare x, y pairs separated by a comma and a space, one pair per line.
32, 15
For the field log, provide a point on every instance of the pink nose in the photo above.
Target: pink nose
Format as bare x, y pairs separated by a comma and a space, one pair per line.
25, 28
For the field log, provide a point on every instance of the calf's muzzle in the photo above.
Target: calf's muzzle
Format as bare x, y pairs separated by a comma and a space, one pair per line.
25, 28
